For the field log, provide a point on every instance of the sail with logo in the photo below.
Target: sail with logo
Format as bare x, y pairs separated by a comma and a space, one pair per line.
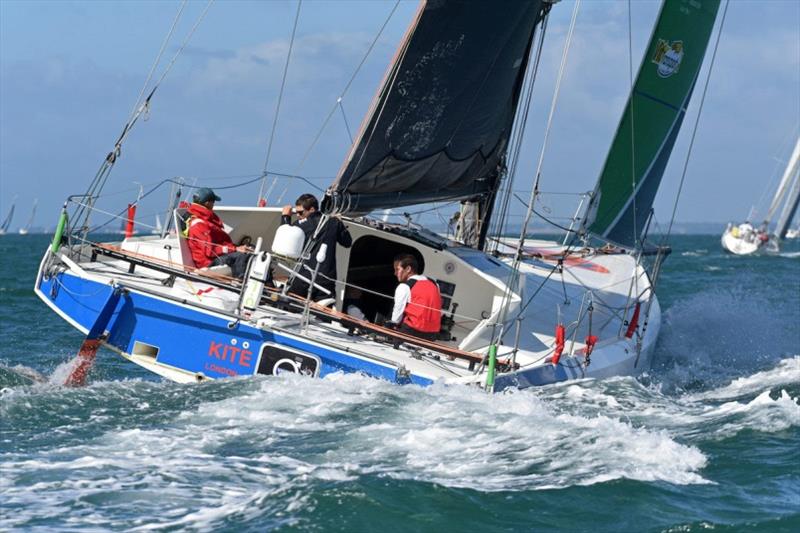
624, 194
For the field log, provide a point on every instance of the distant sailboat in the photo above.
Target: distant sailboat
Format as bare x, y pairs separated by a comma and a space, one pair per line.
157, 229
7, 221
745, 239
26, 229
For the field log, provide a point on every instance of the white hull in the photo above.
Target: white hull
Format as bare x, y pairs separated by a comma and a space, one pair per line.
740, 246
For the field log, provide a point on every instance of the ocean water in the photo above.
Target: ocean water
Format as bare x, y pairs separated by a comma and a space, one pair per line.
709, 438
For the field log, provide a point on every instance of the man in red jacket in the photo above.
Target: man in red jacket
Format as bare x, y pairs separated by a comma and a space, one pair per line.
209, 243
417, 302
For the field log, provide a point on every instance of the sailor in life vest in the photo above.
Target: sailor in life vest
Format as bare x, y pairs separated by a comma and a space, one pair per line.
417, 302
208, 241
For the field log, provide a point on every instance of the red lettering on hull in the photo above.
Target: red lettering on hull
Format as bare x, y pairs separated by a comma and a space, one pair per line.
211, 367
213, 349
229, 352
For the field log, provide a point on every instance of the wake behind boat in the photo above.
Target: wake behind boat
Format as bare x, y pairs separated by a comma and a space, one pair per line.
513, 314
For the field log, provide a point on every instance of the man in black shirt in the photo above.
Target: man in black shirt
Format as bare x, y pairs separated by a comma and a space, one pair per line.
308, 218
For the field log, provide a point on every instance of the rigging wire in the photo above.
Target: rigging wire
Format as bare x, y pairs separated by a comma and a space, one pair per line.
535, 190
556, 92
346, 124
697, 122
178, 182
376, 112
549, 220
280, 99
633, 133
779, 163
167, 38
519, 136
636, 237
101, 177
346, 88
515, 272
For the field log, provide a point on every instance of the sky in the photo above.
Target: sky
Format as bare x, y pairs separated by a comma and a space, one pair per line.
71, 72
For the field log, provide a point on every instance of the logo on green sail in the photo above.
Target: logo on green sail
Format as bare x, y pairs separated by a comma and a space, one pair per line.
668, 57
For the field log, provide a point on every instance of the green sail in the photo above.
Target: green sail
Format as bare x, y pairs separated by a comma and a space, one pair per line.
653, 115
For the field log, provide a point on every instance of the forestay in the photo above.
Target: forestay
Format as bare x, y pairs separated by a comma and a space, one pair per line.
653, 115
439, 126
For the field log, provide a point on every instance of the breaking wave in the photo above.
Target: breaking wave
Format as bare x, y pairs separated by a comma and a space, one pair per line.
216, 453
713, 337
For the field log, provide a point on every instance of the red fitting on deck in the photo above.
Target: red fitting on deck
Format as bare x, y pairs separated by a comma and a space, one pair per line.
591, 340
560, 336
634, 323
129, 225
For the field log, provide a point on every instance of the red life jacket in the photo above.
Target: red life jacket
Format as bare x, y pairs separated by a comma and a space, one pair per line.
423, 312
207, 236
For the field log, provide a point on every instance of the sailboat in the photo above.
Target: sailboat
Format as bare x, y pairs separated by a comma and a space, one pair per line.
156, 230
439, 129
24, 230
745, 239
7, 221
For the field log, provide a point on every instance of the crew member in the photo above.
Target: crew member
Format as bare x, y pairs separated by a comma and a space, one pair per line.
334, 232
209, 243
417, 302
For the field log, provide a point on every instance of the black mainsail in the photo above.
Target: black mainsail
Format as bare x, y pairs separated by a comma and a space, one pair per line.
439, 126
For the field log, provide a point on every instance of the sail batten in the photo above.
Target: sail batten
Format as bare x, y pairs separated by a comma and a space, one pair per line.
438, 129
627, 186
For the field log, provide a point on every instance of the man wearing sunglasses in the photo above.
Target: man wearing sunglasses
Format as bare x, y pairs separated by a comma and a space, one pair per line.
308, 217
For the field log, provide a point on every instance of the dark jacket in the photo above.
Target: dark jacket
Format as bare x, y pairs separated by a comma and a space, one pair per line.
332, 234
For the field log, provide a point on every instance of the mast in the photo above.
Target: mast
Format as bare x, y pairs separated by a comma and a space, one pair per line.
792, 201
783, 187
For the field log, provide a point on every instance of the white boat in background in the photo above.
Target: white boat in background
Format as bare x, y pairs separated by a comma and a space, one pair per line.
157, 229
24, 230
746, 239
443, 127
7, 221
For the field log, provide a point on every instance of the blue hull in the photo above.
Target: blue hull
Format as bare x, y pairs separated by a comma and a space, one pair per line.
193, 340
